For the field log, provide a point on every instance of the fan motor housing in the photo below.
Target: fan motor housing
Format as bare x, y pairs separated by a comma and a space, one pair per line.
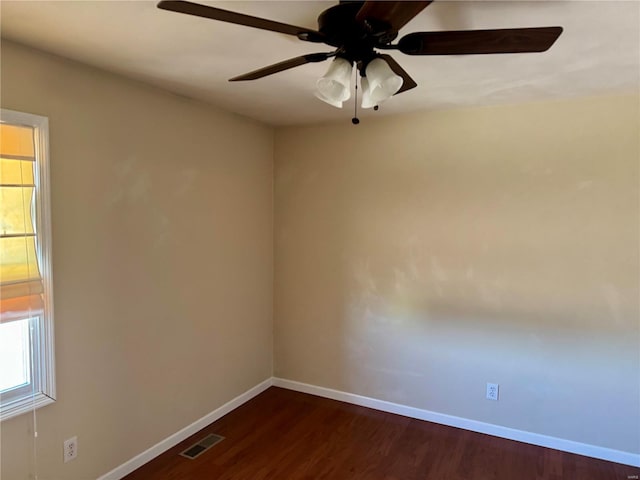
357, 39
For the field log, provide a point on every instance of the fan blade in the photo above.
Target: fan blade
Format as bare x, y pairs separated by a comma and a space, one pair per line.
508, 40
281, 66
396, 14
407, 82
239, 19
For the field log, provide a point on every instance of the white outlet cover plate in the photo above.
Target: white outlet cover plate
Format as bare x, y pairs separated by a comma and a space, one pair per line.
70, 449
492, 391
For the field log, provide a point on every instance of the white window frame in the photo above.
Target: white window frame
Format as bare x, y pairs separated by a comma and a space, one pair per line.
41, 390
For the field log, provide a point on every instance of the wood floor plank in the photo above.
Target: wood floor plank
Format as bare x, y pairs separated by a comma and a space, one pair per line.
286, 435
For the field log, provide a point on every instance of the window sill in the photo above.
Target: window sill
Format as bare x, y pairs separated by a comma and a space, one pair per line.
24, 405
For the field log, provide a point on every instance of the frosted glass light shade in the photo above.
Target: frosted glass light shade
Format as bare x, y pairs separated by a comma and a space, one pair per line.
335, 86
367, 101
383, 83
333, 103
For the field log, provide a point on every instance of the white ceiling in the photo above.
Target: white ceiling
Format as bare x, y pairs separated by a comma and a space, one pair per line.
599, 52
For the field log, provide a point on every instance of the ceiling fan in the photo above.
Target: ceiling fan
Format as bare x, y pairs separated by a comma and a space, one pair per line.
357, 29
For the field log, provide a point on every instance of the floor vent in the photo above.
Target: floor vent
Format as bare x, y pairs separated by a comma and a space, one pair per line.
201, 446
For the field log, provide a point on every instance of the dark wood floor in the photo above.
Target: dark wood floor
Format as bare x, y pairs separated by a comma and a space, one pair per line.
285, 435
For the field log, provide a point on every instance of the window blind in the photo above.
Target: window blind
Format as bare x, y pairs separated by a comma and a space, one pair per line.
21, 285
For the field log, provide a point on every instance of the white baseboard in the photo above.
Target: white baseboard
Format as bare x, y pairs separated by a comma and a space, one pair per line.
164, 445
570, 446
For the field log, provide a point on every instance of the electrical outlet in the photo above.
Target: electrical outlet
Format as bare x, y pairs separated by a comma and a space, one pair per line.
70, 449
492, 391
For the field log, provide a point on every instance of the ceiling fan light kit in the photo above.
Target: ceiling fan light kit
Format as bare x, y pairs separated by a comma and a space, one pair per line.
379, 83
358, 29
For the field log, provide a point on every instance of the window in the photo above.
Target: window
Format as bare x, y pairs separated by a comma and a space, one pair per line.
26, 305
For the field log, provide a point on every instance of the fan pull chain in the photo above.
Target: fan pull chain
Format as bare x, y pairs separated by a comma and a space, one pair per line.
355, 120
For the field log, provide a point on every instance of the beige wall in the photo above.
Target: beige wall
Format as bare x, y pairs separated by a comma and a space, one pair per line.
162, 257
419, 257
